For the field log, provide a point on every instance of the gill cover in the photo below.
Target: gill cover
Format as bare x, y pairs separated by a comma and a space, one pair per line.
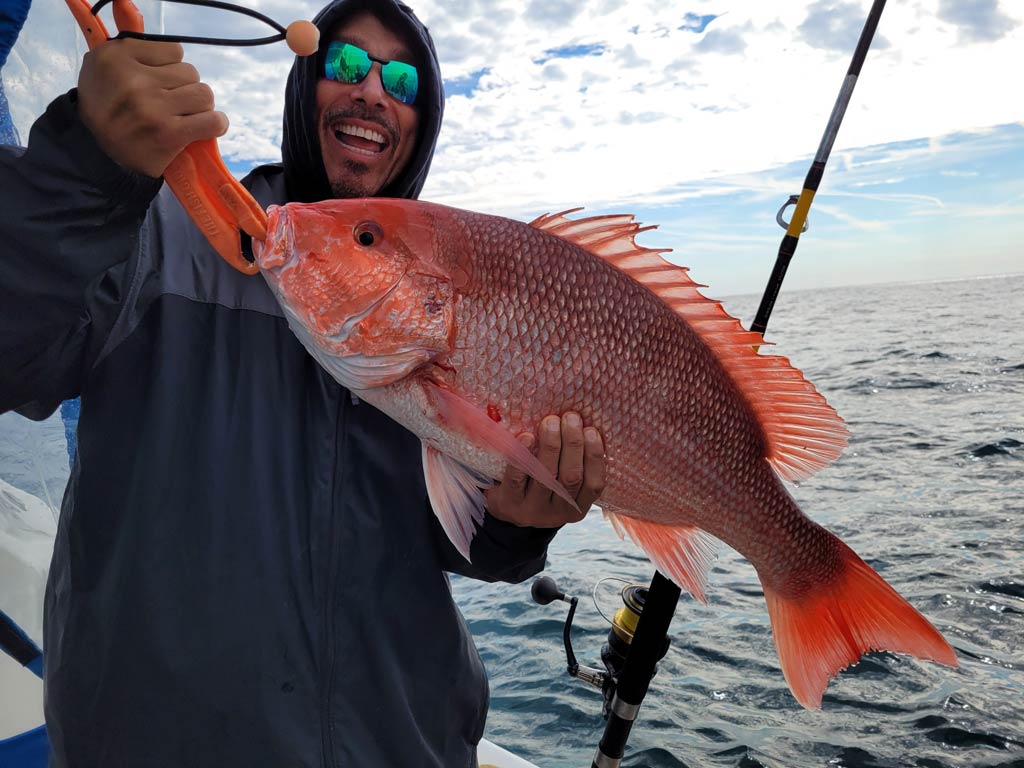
356, 292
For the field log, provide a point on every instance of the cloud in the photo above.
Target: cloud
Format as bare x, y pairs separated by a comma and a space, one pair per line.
553, 11
629, 118
628, 57
704, 125
877, 182
727, 41
835, 25
457, 47
977, 21
491, 26
559, 102
620, 103
553, 72
178, 19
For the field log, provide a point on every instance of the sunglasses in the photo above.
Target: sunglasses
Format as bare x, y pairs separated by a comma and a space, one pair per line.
349, 63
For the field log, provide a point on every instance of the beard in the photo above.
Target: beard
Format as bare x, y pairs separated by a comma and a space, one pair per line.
353, 183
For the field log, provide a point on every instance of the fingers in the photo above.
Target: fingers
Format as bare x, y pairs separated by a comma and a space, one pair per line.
191, 99
570, 460
506, 500
573, 454
593, 469
576, 457
144, 104
171, 76
155, 54
193, 103
550, 446
208, 125
514, 480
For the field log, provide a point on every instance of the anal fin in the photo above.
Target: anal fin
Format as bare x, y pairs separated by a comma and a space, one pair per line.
684, 553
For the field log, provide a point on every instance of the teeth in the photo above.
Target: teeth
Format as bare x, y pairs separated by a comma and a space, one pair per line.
363, 133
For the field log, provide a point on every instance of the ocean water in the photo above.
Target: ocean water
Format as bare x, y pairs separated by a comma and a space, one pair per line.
930, 379
930, 491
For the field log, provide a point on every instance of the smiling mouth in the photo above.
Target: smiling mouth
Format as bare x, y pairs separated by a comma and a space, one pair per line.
363, 141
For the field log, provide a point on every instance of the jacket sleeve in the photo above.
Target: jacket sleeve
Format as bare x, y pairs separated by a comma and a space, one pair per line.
70, 221
500, 551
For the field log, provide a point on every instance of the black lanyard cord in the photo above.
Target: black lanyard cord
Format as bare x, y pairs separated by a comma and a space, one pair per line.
206, 40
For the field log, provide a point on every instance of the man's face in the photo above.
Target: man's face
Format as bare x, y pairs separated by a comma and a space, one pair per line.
366, 135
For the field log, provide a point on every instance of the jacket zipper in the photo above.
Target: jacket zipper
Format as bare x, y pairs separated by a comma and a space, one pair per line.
329, 635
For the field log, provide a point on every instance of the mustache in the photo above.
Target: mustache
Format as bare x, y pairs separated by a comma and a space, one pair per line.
359, 112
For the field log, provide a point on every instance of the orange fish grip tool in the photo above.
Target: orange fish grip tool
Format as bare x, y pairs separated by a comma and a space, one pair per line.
214, 199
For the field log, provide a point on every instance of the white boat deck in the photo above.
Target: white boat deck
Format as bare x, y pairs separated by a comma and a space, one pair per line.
492, 756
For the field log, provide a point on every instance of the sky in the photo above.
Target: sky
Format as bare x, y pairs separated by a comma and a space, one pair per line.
701, 117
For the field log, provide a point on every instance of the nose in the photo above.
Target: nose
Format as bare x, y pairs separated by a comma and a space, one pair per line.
370, 90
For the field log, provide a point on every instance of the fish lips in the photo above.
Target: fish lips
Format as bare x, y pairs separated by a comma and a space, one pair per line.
277, 250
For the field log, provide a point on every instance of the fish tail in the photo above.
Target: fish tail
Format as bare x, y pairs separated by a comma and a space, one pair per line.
829, 626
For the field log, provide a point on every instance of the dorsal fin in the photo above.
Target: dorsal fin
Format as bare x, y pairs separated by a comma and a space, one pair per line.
804, 433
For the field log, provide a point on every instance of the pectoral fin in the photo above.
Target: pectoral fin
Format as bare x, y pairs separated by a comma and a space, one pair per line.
462, 416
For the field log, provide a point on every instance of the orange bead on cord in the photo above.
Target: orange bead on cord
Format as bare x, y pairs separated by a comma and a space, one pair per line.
303, 38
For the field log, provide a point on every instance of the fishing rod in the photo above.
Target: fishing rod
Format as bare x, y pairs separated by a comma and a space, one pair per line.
798, 224
631, 657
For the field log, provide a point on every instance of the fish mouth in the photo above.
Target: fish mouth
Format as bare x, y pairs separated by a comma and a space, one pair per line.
275, 252
361, 137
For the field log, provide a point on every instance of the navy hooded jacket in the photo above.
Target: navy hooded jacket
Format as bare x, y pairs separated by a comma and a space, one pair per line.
247, 571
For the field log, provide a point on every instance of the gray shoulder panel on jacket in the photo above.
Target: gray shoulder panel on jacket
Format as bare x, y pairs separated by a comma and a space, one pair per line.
174, 258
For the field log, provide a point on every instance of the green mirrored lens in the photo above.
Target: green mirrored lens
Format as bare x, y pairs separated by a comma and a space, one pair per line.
346, 63
401, 80
349, 63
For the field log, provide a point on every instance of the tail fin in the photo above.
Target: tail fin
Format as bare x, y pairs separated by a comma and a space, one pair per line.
822, 632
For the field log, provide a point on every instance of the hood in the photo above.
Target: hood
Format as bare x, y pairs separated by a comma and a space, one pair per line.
305, 178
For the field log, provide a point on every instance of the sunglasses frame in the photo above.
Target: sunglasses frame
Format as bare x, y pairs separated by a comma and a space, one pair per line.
384, 64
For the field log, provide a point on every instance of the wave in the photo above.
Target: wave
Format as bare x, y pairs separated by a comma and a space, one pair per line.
1005, 447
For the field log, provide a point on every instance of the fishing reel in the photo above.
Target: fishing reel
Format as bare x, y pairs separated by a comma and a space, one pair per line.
637, 641
620, 636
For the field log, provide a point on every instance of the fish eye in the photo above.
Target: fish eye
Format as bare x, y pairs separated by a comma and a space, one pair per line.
368, 233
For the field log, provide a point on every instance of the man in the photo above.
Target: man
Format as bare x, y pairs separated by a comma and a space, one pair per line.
246, 572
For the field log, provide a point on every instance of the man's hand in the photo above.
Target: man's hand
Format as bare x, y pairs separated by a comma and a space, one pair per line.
574, 455
143, 104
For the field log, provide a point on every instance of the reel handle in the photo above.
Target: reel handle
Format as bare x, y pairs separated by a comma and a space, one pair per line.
544, 591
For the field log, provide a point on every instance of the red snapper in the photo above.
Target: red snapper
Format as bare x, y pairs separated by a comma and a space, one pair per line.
468, 329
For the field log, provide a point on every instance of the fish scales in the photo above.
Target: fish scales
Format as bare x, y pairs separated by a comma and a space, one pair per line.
469, 329
668, 398
678, 403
